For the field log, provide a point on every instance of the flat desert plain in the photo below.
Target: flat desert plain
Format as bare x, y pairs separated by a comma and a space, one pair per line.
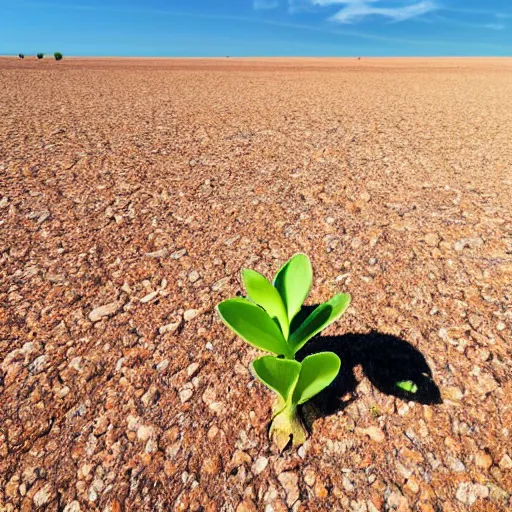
132, 193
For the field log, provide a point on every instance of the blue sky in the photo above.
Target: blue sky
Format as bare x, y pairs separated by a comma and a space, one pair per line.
257, 27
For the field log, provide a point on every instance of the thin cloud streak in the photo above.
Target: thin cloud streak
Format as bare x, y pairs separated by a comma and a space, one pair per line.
356, 10
265, 5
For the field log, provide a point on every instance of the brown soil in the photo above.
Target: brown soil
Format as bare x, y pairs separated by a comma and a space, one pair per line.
146, 185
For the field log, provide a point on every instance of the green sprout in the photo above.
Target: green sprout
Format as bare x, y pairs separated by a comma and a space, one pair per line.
57, 56
40, 56
264, 320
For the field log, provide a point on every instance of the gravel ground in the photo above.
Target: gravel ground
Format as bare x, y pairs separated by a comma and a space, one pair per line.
131, 195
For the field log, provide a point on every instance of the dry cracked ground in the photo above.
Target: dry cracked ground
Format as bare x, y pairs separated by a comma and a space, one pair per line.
132, 193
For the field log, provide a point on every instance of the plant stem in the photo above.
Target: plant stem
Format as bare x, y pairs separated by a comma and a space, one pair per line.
285, 425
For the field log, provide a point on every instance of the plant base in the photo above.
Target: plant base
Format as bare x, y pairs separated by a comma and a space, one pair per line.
287, 426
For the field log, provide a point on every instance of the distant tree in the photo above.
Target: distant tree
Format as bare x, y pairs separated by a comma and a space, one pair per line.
21, 56
40, 55
57, 55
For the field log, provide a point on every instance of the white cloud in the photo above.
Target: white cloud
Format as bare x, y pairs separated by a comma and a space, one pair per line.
265, 4
495, 26
355, 10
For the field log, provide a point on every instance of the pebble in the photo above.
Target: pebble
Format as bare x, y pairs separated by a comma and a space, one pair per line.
309, 477
432, 239
37, 365
157, 254
190, 314
246, 506
483, 460
220, 284
179, 254
290, 482
162, 365
260, 464
149, 297
186, 393
374, 433
42, 497
144, 432
194, 276
104, 311
472, 243
169, 328
239, 458
192, 369
469, 492
505, 462
74, 506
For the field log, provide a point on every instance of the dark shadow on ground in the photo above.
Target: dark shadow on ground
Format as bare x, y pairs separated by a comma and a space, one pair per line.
385, 360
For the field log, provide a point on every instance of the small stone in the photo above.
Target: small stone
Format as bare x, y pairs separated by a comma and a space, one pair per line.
179, 254
221, 284
365, 197
309, 477
74, 506
468, 492
487, 383
505, 462
321, 491
190, 314
290, 483
62, 392
162, 365
42, 497
186, 394
217, 408
37, 365
374, 433
413, 485
169, 328
144, 432
347, 484
104, 311
149, 297
483, 460
500, 326
246, 506
472, 243
192, 163
239, 458
192, 369
453, 393
211, 466
260, 464
157, 254
356, 243
194, 276
432, 239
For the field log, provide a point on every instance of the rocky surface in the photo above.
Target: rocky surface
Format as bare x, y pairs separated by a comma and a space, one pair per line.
131, 195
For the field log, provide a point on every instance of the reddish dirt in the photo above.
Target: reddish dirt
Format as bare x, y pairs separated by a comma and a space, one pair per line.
146, 185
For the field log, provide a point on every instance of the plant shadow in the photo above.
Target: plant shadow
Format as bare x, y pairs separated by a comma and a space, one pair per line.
385, 359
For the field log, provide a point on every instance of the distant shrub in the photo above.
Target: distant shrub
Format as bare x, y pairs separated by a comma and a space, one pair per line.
40, 55
57, 55
21, 56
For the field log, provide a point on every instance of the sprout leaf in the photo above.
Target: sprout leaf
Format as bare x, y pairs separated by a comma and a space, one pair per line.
407, 385
261, 291
253, 325
317, 372
319, 319
293, 281
280, 375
